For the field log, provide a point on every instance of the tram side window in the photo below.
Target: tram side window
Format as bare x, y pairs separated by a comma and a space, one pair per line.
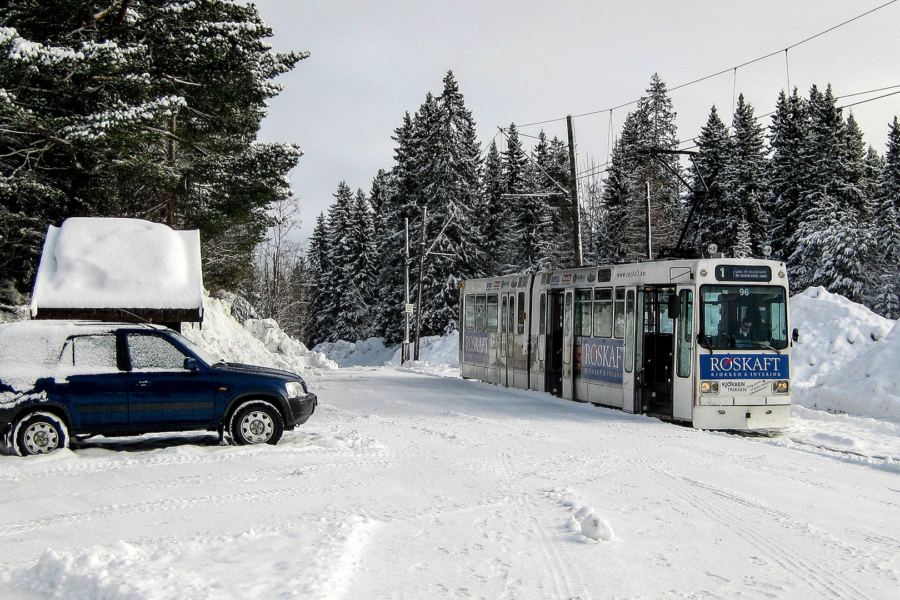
492, 312
603, 312
619, 312
523, 314
629, 328
583, 313
543, 327
685, 330
503, 315
479, 313
470, 312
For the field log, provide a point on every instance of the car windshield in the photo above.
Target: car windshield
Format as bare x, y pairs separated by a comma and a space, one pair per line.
207, 357
743, 316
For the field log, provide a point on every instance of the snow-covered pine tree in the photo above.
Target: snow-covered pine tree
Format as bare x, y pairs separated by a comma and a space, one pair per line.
651, 127
396, 205
833, 241
713, 147
745, 179
789, 174
743, 240
146, 109
451, 193
320, 321
492, 230
526, 217
437, 166
887, 263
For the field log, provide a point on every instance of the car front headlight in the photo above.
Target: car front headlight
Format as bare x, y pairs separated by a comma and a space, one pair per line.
295, 388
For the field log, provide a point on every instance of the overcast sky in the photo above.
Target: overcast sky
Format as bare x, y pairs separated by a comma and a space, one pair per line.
535, 60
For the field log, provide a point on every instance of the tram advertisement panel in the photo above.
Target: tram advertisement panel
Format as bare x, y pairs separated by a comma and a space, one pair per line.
743, 366
476, 347
599, 359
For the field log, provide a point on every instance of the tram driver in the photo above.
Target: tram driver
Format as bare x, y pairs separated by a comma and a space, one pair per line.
748, 332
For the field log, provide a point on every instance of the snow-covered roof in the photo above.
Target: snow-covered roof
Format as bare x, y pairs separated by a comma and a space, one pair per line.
114, 263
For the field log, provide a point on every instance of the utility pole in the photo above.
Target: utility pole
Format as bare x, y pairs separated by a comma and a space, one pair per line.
404, 353
421, 274
576, 213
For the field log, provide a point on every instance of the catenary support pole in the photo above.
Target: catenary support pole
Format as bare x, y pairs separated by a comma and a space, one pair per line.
404, 354
576, 213
421, 275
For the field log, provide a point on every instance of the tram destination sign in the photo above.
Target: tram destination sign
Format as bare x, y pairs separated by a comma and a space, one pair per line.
743, 273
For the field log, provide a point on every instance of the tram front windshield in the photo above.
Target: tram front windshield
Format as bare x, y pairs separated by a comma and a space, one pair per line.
743, 316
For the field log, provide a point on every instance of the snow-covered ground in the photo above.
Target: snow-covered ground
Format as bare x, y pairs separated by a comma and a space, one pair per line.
412, 483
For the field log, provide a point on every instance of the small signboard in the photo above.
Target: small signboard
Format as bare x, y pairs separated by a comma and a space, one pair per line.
743, 366
411, 308
743, 273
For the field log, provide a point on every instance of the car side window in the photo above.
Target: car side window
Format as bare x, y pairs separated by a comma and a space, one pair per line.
153, 353
91, 352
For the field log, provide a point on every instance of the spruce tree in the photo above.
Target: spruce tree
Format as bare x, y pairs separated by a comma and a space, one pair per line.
887, 263
320, 321
148, 110
636, 161
833, 241
745, 179
710, 208
789, 173
492, 228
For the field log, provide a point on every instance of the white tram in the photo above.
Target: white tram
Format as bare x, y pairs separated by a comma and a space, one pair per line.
703, 341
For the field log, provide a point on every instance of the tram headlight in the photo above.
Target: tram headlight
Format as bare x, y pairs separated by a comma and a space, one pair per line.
709, 387
781, 387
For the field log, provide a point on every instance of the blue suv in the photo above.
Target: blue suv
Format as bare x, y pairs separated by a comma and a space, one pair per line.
61, 379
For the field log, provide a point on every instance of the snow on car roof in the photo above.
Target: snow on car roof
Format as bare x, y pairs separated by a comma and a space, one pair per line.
118, 263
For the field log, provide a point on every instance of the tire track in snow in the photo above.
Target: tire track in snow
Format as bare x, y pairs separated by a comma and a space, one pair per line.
176, 504
787, 558
568, 581
220, 454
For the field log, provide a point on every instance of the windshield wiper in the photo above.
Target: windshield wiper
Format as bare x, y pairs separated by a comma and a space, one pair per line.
766, 346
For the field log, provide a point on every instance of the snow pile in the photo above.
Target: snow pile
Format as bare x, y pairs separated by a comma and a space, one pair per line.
586, 523
847, 357
364, 353
437, 355
118, 263
833, 332
262, 342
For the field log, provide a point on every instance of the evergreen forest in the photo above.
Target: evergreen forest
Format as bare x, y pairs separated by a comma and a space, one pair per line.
151, 110
803, 188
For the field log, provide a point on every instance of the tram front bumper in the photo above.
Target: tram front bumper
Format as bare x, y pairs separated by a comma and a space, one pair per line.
743, 418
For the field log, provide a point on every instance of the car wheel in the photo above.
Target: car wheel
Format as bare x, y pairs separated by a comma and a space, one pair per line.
40, 433
256, 422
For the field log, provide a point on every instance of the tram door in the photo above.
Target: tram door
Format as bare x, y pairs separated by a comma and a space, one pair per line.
553, 356
507, 335
653, 385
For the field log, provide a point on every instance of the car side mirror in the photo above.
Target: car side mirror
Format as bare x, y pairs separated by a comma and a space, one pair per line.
795, 335
191, 364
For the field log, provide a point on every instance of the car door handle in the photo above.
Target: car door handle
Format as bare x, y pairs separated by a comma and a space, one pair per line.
141, 383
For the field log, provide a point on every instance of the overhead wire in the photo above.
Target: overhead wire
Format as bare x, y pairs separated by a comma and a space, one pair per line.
730, 69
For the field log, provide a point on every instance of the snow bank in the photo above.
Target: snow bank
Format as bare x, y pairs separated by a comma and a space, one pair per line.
364, 353
118, 263
847, 356
437, 355
260, 342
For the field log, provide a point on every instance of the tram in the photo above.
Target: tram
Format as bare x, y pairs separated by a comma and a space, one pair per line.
699, 341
